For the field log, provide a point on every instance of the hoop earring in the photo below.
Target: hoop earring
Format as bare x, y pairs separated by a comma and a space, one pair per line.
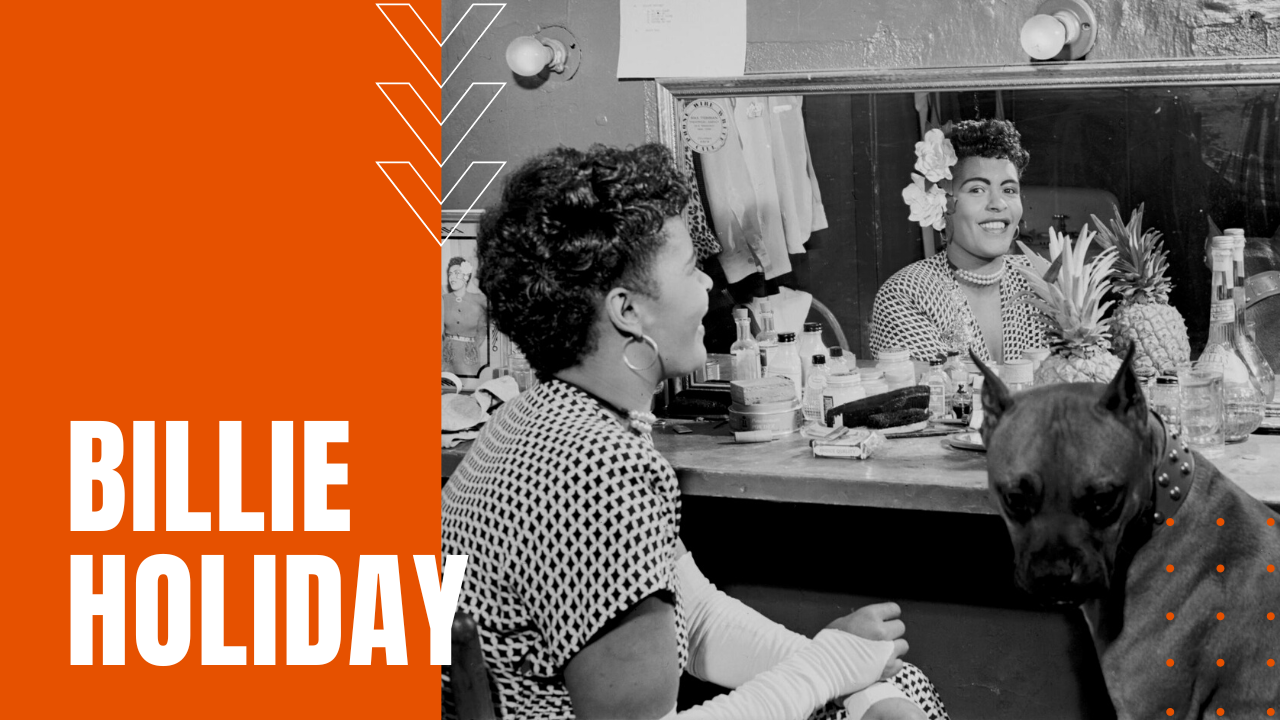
645, 339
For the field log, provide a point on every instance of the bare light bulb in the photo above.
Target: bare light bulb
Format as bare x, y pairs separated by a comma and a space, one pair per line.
1043, 36
527, 56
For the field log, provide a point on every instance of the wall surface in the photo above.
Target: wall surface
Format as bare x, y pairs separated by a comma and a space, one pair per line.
794, 36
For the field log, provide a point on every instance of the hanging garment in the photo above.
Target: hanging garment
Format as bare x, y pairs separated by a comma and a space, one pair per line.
735, 214
761, 187
798, 196
705, 244
752, 116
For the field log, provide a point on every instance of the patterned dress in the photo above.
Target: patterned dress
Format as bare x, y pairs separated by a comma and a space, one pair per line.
569, 521
922, 304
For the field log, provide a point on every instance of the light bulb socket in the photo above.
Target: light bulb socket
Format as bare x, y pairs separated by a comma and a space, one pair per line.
1078, 21
559, 54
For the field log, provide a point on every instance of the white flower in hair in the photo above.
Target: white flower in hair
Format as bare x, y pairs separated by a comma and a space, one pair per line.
934, 156
465, 267
928, 203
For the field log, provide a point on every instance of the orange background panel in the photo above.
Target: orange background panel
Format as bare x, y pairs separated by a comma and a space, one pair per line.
195, 229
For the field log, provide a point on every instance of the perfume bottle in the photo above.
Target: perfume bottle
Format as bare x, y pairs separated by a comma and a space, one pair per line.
745, 350
1242, 394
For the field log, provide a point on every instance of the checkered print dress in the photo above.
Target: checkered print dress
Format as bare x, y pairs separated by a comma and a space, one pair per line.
569, 521
922, 302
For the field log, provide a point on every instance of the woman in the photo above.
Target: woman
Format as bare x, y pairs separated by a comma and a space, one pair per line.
466, 337
588, 606
968, 296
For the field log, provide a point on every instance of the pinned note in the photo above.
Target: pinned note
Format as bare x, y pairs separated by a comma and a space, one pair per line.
682, 38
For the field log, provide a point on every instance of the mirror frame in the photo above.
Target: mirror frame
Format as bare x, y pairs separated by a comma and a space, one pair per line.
1079, 74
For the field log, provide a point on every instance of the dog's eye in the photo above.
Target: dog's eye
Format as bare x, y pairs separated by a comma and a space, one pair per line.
1020, 502
1101, 506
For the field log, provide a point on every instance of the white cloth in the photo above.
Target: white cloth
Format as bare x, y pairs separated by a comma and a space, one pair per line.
777, 672
834, 663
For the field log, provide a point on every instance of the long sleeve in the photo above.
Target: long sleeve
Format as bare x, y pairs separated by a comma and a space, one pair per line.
730, 644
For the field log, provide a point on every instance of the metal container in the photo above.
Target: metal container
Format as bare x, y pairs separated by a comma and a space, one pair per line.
781, 418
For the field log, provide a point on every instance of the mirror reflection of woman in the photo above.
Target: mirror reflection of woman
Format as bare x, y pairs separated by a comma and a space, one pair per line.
466, 336
968, 296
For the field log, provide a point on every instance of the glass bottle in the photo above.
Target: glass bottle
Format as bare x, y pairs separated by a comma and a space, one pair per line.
813, 389
962, 401
1241, 390
939, 389
745, 350
785, 361
810, 345
955, 370
837, 363
767, 338
519, 369
1245, 340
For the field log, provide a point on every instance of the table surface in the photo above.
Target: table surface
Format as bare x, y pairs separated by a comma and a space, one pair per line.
911, 473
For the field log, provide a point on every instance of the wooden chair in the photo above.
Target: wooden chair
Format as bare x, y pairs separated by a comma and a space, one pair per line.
468, 675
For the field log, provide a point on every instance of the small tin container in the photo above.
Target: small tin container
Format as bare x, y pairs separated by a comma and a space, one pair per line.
782, 418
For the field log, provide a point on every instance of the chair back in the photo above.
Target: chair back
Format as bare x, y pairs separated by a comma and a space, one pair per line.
468, 675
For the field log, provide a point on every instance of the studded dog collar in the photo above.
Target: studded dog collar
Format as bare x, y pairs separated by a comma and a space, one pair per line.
1174, 472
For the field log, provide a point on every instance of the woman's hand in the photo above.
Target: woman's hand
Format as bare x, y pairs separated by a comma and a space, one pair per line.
878, 622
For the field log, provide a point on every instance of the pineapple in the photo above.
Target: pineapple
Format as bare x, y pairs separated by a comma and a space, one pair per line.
1144, 315
1069, 293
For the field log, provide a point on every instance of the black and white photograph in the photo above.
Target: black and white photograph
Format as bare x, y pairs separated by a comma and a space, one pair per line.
873, 361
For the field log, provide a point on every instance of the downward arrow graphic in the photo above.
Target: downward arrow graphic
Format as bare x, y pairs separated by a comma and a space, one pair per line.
410, 26
409, 105
410, 184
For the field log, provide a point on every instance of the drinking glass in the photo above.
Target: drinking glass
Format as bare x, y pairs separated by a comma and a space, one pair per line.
1162, 395
1203, 417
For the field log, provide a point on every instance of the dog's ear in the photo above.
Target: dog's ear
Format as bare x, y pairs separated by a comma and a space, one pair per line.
996, 400
1123, 397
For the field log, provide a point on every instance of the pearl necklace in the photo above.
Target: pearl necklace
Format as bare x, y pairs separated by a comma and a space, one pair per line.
976, 279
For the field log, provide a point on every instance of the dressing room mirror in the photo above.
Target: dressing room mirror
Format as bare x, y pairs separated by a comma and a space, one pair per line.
1196, 142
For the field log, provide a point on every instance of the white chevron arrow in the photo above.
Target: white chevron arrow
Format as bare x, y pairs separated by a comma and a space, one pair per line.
412, 188
494, 87
401, 11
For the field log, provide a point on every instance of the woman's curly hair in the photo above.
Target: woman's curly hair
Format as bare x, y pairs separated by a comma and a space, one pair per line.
570, 226
989, 139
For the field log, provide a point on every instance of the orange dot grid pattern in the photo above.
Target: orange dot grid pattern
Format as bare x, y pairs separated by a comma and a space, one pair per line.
1221, 662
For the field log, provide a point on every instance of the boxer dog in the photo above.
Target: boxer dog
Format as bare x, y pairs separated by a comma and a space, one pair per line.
1110, 511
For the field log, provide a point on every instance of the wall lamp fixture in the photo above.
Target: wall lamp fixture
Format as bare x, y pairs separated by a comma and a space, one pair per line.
1060, 30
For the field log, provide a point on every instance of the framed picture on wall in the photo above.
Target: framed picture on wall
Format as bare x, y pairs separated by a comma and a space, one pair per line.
473, 350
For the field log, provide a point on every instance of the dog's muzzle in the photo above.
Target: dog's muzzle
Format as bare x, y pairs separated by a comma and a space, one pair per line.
1061, 576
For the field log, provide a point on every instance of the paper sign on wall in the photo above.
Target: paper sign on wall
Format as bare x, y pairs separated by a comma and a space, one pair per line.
682, 38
